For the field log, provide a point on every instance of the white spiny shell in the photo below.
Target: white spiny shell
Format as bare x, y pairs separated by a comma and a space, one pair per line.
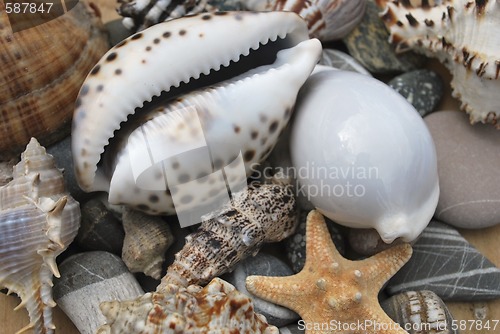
363, 155
217, 308
263, 213
183, 147
464, 36
327, 19
38, 220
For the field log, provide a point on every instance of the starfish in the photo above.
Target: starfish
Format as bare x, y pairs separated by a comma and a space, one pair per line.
333, 294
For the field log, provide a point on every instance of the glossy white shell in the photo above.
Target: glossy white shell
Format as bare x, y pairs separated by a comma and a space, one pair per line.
363, 155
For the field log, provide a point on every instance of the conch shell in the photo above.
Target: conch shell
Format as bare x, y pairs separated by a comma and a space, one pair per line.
216, 308
262, 213
179, 153
38, 220
42, 70
463, 35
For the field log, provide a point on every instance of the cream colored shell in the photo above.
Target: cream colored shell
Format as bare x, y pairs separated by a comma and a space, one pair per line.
38, 220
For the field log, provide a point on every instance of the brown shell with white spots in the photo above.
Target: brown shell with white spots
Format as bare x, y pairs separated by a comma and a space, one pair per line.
261, 214
463, 35
216, 308
42, 70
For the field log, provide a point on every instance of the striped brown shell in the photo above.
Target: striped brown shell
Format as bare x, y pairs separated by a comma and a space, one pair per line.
42, 70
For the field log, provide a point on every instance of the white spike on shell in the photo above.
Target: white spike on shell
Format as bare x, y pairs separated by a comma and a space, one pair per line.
217, 308
238, 120
363, 155
262, 213
463, 35
38, 220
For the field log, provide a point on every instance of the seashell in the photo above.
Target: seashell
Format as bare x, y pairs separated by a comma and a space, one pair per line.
327, 20
216, 308
420, 312
370, 162
263, 213
139, 15
38, 220
461, 34
147, 238
191, 139
42, 70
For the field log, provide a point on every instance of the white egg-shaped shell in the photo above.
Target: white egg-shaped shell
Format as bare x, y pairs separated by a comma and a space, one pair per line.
363, 155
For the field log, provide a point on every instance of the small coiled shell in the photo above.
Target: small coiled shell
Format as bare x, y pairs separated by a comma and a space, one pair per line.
262, 213
216, 308
420, 312
38, 220
42, 70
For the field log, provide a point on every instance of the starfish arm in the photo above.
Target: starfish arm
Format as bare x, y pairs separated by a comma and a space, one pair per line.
319, 245
391, 260
381, 323
280, 290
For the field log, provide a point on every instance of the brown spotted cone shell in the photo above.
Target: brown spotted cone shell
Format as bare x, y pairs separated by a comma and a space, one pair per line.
42, 70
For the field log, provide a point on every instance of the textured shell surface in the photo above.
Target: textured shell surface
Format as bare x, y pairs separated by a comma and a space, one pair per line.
179, 149
139, 15
327, 19
38, 220
260, 214
463, 35
365, 156
422, 311
216, 308
43, 68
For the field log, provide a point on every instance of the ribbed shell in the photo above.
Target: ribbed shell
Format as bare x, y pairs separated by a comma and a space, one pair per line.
38, 220
139, 15
263, 213
217, 308
42, 70
463, 35
327, 20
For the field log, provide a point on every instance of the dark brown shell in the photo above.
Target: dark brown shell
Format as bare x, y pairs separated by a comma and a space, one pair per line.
42, 70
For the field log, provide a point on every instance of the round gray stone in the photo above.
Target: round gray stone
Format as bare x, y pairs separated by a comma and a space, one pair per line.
265, 265
293, 329
422, 88
468, 161
117, 31
100, 229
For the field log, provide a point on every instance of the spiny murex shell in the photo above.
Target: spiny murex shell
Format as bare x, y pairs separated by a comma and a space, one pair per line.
327, 19
463, 35
38, 220
216, 308
262, 213
42, 70
181, 149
